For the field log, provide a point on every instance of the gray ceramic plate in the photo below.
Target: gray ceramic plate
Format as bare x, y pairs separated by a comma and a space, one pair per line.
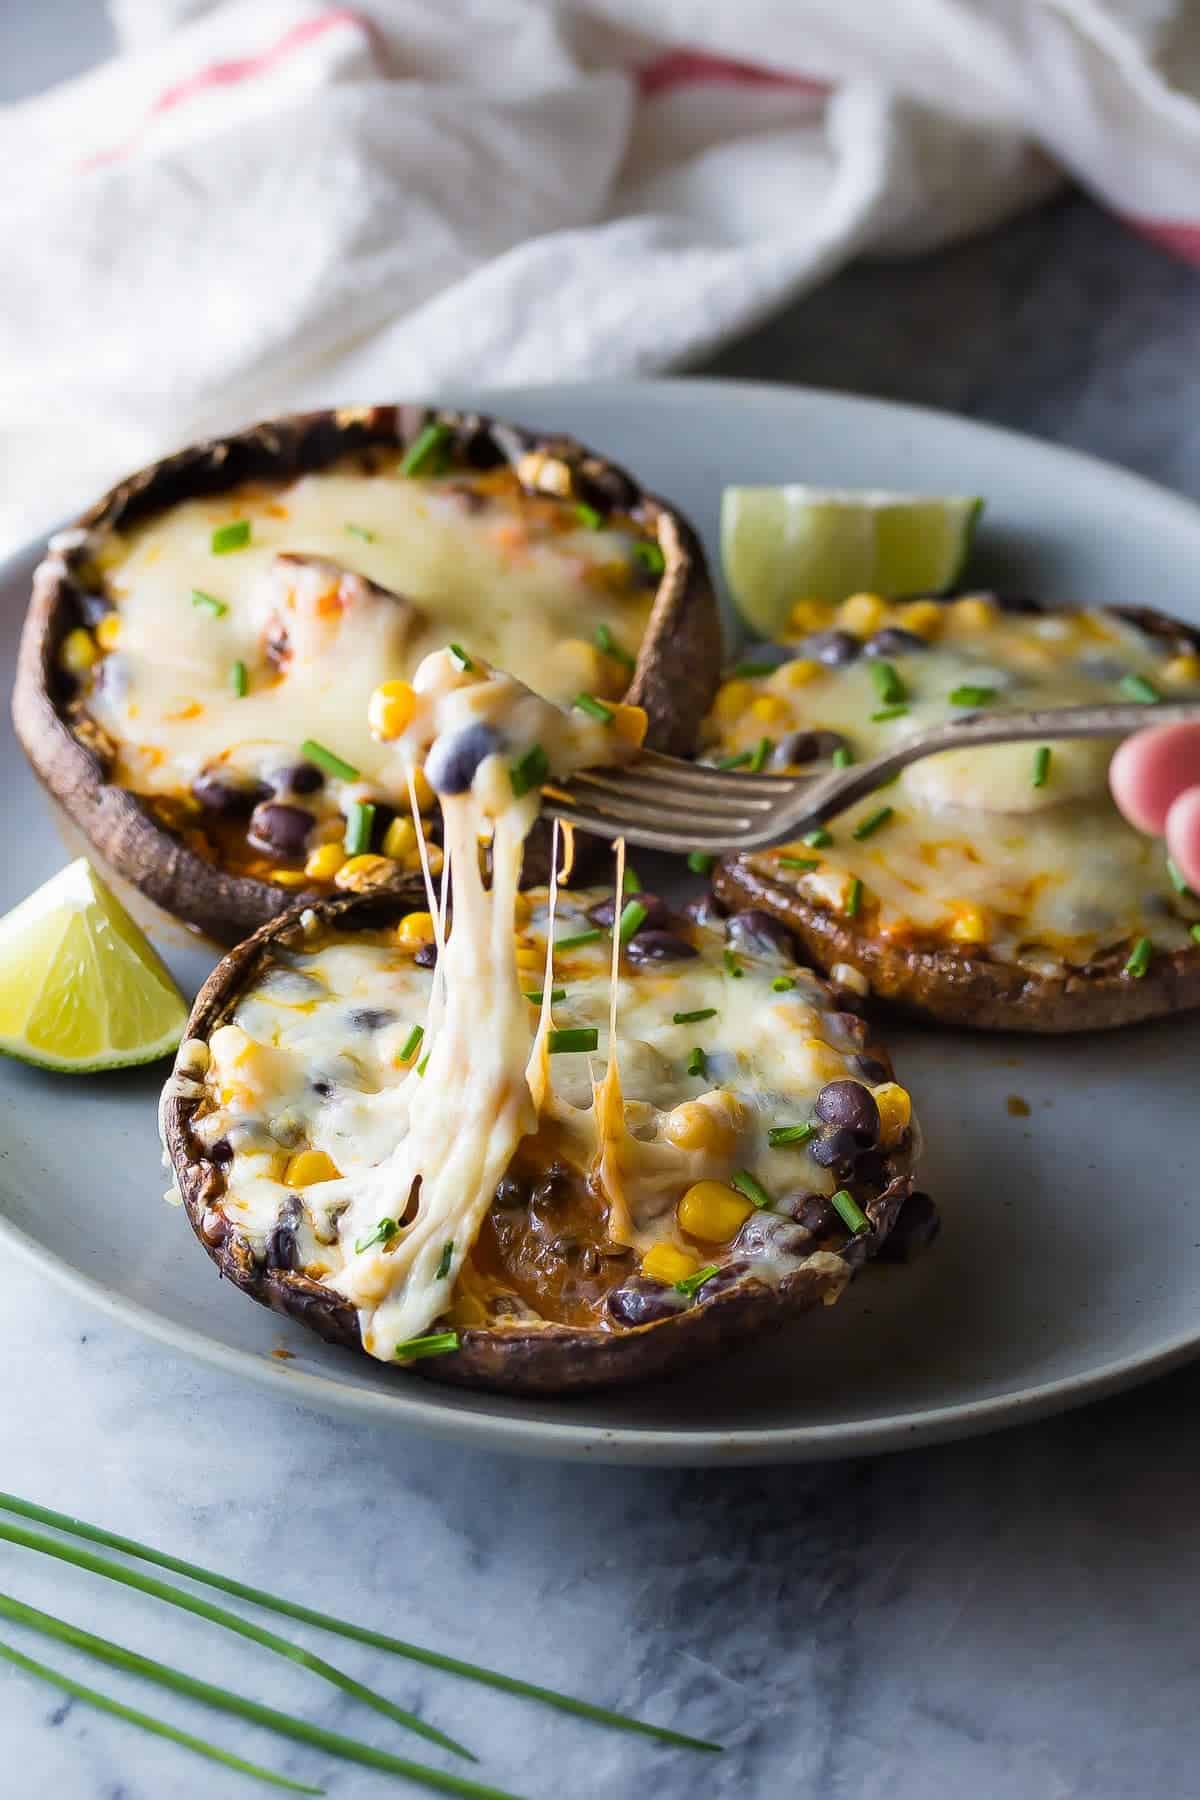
1069, 1263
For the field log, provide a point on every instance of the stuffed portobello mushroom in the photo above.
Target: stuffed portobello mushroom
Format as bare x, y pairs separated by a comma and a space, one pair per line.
200, 647
994, 888
539, 1141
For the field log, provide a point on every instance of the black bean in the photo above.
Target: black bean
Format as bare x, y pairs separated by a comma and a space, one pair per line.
511, 1191
759, 933
280, 828
281, 1250
643, 1302
299, 778
606, 488
221, 1152
849, 1106
1015, 603
322, 1088
426, 957
915, 1229
658, 946
658, 916
451, 764
870, 1171
767, 1234
835, 648
872, 1070
813, 1211
227, 793
371, 1018
836, 1148
801, 747
893, 640
551, 1192
475, 445
726, 1277
706, 910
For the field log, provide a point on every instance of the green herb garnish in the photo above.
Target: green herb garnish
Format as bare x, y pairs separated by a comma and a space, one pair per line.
595, 709
386, 1228
1136, 687
234, 536
803, 863
694, 1018
412, 1043
1139, 958
360, 823
758, 759
700, 863
208, 603
692, 1283
588, 516
1194, 933
536, 998
239, 680
591, 936
738, 760
748, 671
888, 712
633, 917
888, 685
434, 1343
820, 839
359, 531
783, 984
1041, 765
732, 966
327, 760
967, 695
753, 1189
697, 1062
854, 898
850, 1211
576, 1037
447, 1257
460, 658
842, 757
1179, 880
605, 641
631, 881
424, 1062
872, 823
529, 771
650, 557
426, 455
790, 1134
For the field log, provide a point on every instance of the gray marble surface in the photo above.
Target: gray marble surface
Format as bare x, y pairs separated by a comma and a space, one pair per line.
1011, 1619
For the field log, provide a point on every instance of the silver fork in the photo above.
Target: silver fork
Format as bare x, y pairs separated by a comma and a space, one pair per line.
666, 804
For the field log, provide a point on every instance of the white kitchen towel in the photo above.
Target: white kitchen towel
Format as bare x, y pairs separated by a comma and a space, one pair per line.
263, 204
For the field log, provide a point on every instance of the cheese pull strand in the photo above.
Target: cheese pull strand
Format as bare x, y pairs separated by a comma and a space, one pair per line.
608, 1102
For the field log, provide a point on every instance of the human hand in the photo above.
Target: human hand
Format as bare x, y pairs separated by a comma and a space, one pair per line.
1155, 779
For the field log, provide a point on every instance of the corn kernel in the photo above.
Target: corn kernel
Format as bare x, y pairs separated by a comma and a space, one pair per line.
423, 791
324, 862
108, 631
292, 878
694, 1126
810, 615
923, 617
579, 667
78, 653
895, 1112
361, 873
666, 1262
970, 926
862, 614
415, 930
973, 613
712, 1211
390, 709
436, 858
1182, 671
769, 709
823, 1062
530, 957
400, 839
522, 909
732, 699
797, 673
309, 1166
629, 723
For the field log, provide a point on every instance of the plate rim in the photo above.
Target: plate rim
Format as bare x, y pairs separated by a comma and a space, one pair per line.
659, 1445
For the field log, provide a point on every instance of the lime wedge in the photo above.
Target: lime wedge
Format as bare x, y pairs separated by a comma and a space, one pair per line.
80, 988
783, 544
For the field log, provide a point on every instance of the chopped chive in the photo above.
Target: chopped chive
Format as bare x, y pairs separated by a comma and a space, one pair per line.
631, 881
694, 1018
872, 823
587, 515
1194, 933
606, 642
783, 984
591, 936
1139, 958
967, 695
888, 685
239, 680
1179, 880
804, 863
385, 1229
361, 1634
359, 531
231, 1621
790, 1134
650, 557
575, 1037
820, 839
595, 709
700, 863
434, 1343
738, 760
747, 671
325, 759
691, 1284
1136, 687
360, 823
851, 1212
234, 536
758, 760
460, 658
447, 1257
424, 1063
46, 1623
208, 603
427, 452
888, 712
842, 757
754, 1191
854, 898
732, 966
412, 1043
633, 917
697, 1062
535, 997
1041, 765
529, 771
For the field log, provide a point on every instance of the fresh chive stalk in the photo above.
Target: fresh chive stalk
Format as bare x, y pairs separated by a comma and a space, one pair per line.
732, 965
739, 760
327, 760
850, 1211
447, 1257
1041, 765
888, 712
588, 517
854, 898
360, 1634
697, 1062
459, 658
969, 695
1194, 933
783, 984
412, 1043
595, 709
749, 671
820, 839
759, 755
700, 863
650, 557
752, 1188
209, 603
529, 771
556, 994
360, 823
572, 1037
1136, 687
426, 455
576, 942
694, 1018
790, 1134
633, 917
433, 1343
804, 863
234, 536
842, 757
220, 1615
872, 823
360, 531
385, 1229
423, 1064
606, 642
888, 684
132, 1716
239, 680
1179, 880
1139, 958
631, 881
691, 1284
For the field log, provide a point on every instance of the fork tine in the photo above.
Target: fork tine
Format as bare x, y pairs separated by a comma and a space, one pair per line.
647, 836
602, 788
707, 776
618, 806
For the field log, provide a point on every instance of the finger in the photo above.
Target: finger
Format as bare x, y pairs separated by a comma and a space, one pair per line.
1183, 835
1151, 770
